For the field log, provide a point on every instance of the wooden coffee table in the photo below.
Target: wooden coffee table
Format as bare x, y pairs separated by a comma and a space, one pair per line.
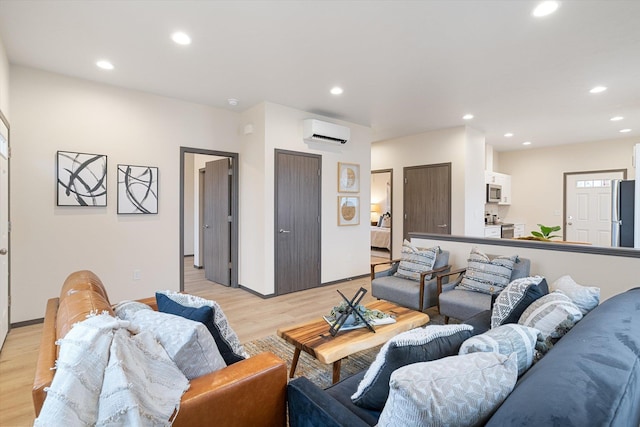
314, 337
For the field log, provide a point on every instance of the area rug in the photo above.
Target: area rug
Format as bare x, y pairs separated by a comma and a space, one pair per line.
319, 373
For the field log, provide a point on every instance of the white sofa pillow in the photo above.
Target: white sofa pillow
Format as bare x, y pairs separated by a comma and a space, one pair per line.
453, 391
506, 339
553, 315
188, 343
585, 297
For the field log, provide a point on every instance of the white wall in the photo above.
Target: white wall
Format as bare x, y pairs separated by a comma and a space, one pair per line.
4, 82
462, 147
636, 229
474, 187
51, 112
612, 274
537, 176
345, 250
189, 205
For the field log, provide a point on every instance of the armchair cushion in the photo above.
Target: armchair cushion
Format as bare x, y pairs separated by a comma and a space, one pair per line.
418, 345
415, 260
515, 298
485, 275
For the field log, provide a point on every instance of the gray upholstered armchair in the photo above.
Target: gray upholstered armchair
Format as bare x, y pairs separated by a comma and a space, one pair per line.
463, 304
416, 295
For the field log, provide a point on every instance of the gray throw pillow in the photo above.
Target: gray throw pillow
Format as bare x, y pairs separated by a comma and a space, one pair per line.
418, 345
489, 276
416, 260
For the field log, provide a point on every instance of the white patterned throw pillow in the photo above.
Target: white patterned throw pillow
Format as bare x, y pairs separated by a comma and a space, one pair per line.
415, 260
486, 275
219, 319
417, 345
585, 297
553, 315
454, 391
506, 339
188, 343
515, 298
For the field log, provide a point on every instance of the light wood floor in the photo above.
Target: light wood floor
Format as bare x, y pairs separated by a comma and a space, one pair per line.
250, 316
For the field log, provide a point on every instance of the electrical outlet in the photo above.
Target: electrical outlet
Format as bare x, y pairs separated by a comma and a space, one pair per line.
137, 274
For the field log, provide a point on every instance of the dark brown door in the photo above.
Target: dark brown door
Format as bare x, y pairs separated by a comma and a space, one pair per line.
427, 199
297, 221
217, 228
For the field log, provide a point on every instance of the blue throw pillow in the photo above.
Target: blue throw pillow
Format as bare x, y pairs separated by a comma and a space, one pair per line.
204, 315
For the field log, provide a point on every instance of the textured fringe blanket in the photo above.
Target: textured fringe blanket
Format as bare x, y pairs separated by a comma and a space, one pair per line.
107, 376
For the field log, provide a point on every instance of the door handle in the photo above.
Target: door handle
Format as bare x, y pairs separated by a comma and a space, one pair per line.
206, 226
3, 251
569, 223
283, 231
442, 225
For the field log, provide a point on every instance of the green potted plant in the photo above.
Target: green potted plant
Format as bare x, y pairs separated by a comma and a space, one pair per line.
544, 234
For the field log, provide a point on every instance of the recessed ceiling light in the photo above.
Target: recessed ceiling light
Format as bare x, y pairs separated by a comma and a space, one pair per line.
625, 130
545, 8
508, 135
526, 143
336, 90
233, 102
104, 64
467, 116
616, 118
598, 89
181, 38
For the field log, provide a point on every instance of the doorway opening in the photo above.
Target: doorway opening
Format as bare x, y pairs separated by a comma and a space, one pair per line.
587, 206
381, 213
209, 214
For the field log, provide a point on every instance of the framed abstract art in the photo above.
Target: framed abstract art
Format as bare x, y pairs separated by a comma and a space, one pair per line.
348, 177
348, 210
137, 189
81, 179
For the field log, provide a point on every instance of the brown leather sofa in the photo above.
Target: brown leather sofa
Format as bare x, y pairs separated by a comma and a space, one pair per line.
251, 392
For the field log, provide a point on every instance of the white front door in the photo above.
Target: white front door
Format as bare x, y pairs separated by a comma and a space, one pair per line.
588, 207
4, 229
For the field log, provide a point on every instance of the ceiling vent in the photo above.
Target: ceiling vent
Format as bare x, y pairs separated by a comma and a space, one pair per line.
319, 131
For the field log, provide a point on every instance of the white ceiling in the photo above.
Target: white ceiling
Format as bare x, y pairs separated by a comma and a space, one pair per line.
405, 66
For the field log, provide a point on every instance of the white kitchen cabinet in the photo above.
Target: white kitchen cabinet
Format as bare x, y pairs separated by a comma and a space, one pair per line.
518, 230
504, 181
493, 231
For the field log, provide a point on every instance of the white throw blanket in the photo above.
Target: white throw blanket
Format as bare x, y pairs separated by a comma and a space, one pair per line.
108, 377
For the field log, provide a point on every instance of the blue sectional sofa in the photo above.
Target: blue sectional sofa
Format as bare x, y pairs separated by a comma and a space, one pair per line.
591, 377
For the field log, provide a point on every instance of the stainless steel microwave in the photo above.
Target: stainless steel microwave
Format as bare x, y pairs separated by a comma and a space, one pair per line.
494, 193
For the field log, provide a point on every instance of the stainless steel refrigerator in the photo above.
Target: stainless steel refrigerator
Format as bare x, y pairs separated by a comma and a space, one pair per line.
622, 207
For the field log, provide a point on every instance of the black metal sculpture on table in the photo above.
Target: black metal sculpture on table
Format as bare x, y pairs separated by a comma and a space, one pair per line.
351, 308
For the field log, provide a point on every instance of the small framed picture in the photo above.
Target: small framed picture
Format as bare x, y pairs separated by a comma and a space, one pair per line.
348, 177
348, 210
137, 189
82, 179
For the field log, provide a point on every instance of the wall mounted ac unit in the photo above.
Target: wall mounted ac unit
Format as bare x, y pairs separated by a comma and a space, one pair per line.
319, 131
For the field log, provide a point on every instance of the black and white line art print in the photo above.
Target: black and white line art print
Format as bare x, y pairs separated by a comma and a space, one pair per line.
137, 189
82, 179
